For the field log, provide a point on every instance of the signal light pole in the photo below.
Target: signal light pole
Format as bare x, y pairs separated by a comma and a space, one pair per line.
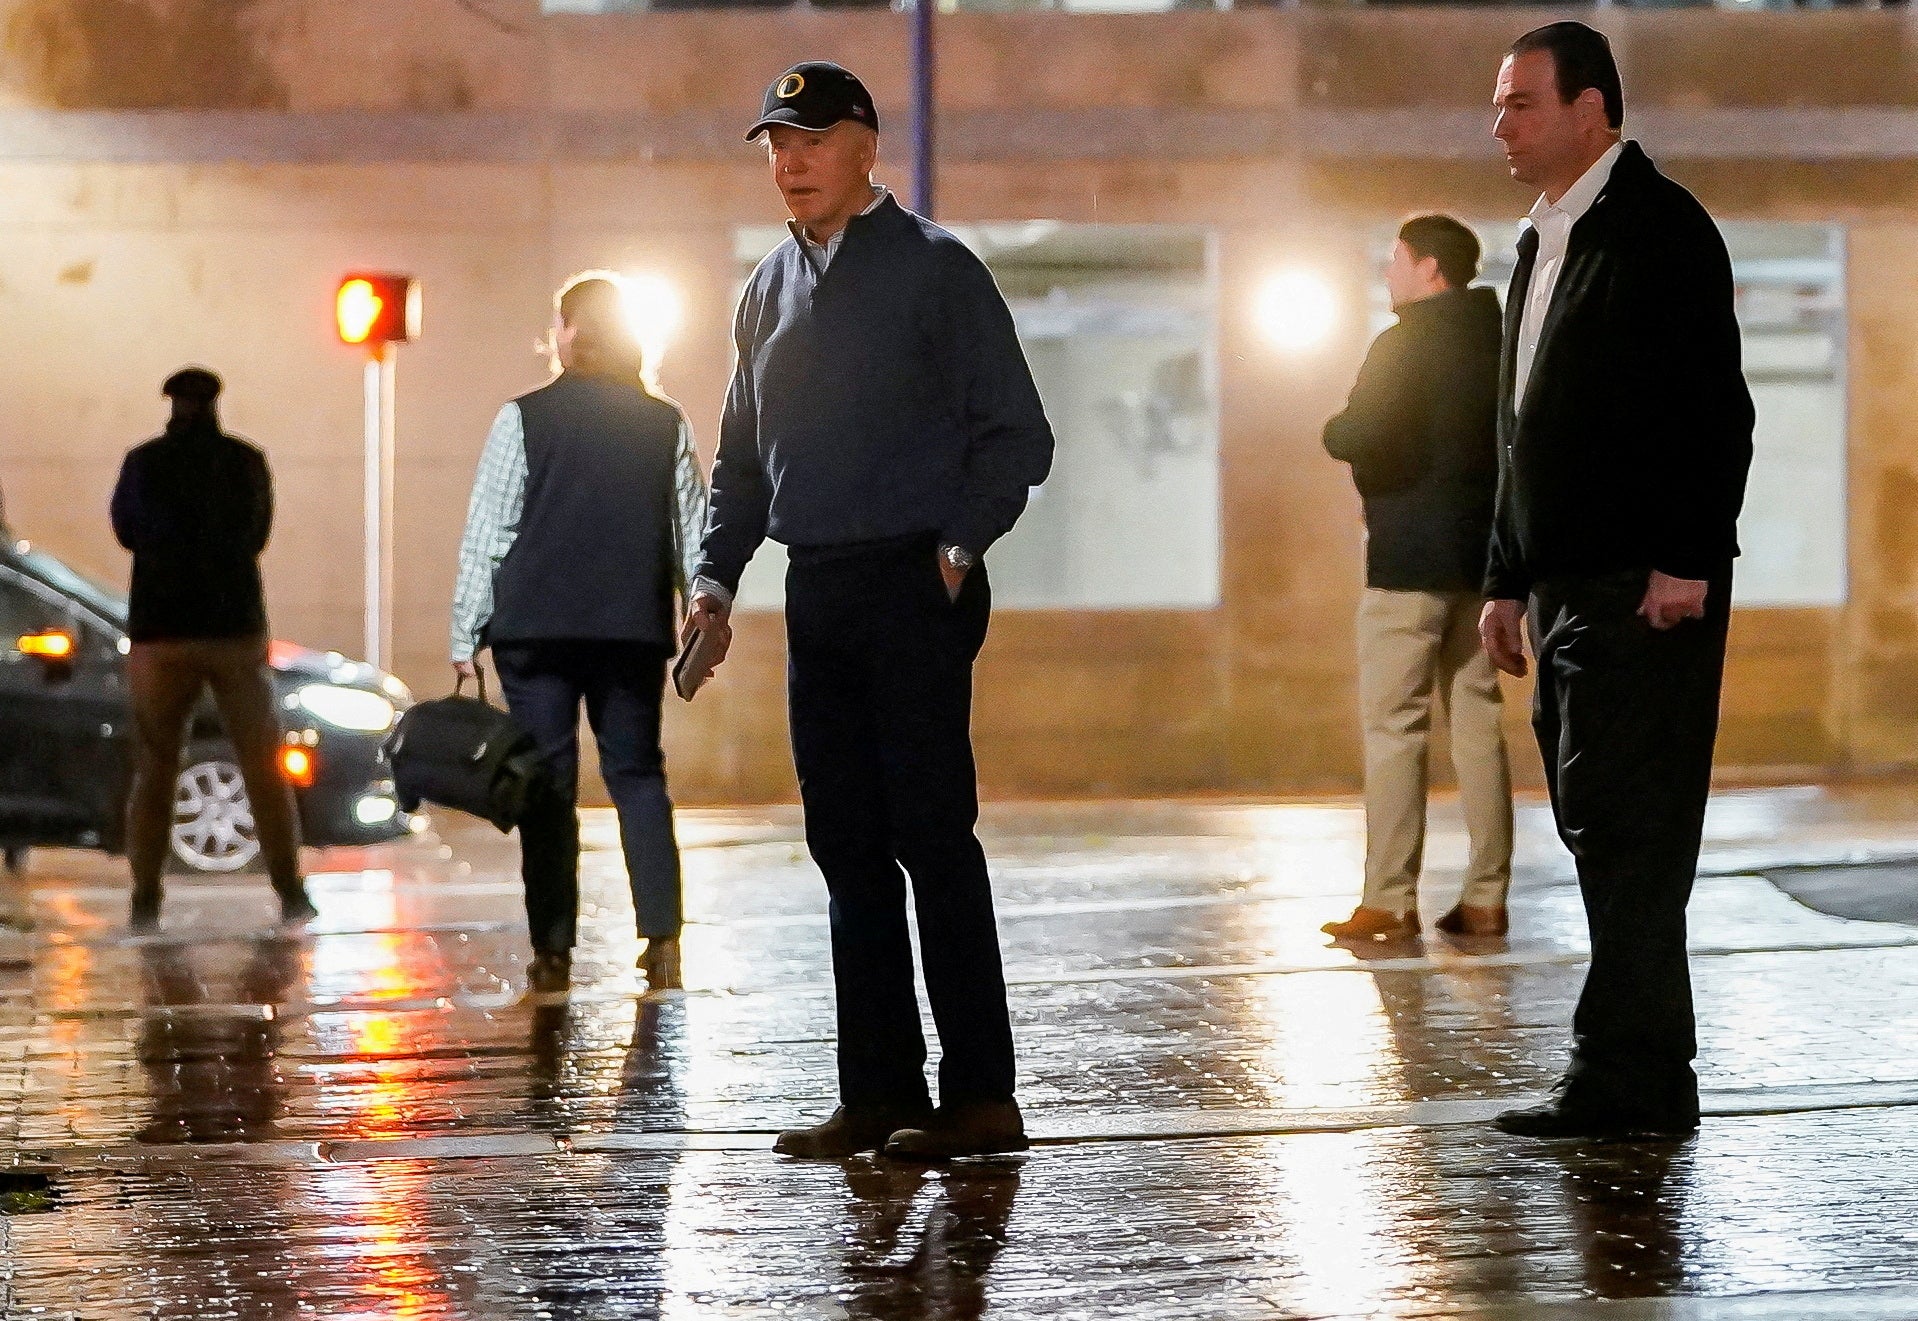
378, 311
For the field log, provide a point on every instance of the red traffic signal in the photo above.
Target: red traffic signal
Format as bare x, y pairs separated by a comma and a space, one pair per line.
375, 308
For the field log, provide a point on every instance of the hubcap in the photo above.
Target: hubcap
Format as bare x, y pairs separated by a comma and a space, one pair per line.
212, 819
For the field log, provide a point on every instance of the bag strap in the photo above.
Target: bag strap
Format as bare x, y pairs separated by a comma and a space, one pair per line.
479, 671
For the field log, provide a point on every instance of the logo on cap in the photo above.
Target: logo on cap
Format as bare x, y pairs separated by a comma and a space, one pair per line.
790, 86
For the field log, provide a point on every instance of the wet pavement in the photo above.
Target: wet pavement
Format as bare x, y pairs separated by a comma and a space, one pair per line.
1232, 1117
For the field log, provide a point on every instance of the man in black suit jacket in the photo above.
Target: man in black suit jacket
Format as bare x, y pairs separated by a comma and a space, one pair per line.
1625, 434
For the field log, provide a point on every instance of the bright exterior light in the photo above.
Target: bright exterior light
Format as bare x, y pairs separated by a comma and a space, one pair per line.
358, 309
375, 810
1297, 310
653, 309
48, 646
297, 765
347, 708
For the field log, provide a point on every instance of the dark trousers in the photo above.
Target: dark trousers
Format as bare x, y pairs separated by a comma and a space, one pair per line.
880, 682
165, 681
1626, 716
621, 684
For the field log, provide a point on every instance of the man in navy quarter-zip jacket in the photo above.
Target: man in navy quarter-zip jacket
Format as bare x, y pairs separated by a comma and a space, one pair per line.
1625, 435
883, 425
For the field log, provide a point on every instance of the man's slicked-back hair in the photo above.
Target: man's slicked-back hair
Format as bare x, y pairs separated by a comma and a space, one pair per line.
1582, 58
1453, 245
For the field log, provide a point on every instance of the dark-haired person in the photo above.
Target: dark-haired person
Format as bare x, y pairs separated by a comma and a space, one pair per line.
1420, 435
585, 512
195, 506
1625, 438
883, 424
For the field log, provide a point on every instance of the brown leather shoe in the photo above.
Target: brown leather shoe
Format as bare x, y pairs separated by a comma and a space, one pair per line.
550, 974
1471, 920
660, 964
973, 1128
1374, 924
851, 1130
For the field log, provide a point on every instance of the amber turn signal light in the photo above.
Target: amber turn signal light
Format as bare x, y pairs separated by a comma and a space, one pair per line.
297, 765
51, 645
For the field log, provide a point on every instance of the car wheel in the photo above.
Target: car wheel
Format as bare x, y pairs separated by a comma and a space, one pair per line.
212, 818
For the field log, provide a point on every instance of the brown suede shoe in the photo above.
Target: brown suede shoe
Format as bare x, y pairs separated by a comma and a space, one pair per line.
850, 1131
1373, 924
975, 1128
1471, 920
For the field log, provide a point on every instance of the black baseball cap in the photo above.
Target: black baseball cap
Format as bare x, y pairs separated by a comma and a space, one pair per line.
815, 95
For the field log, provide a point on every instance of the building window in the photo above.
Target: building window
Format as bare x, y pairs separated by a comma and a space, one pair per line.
1118, 323
1791, 310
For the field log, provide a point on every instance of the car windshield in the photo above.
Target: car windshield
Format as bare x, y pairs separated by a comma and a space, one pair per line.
100, 599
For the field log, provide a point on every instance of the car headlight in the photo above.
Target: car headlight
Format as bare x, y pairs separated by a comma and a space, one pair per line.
347, 708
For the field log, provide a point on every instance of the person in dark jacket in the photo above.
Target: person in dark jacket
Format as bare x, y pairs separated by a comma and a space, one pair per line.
883, 424
195, 506
1625, 432
584, 516
1419, 433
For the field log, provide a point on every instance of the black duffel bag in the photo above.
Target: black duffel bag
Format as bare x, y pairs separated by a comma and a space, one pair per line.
464, 753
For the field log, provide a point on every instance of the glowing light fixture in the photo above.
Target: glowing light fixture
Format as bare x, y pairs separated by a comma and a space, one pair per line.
653, 310
359, 305
297, 765
347, 708
1297, 310
376, 309
51, 645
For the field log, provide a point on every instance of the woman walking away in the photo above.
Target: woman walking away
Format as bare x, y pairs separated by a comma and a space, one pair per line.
588, 504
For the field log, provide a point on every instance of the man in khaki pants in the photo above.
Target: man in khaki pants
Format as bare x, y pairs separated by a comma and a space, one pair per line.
1420, 435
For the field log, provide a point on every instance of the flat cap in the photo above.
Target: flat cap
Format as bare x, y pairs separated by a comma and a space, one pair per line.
194, 383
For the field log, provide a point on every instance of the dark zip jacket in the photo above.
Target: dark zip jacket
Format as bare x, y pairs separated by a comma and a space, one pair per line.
1420, 432
195, 508
887, 398
1632, 444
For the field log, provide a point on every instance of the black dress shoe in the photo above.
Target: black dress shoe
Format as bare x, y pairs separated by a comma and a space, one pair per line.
850, 1131
976, 1128
1556, 1119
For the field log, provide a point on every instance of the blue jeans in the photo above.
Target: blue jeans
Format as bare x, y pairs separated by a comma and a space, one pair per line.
622, 685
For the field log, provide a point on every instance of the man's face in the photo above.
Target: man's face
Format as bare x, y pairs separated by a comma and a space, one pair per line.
824, 177
1543, 136
1410, 277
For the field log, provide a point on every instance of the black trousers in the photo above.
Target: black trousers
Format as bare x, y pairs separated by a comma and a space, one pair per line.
1626, 717
879, 678
622, 685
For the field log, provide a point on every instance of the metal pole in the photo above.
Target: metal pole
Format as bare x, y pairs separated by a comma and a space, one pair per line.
922, 126
377, 479
389, 377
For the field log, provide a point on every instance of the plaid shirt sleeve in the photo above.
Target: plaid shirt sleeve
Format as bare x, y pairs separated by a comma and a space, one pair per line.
492, 522
689, 509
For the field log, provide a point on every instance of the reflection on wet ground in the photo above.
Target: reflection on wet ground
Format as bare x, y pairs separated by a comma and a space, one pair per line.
1234, 1118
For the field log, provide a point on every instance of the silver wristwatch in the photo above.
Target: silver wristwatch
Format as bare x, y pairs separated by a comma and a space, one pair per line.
959, 557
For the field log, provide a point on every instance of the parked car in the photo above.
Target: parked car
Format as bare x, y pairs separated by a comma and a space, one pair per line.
66, 734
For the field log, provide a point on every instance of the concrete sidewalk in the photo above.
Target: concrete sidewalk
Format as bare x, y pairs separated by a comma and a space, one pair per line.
1233, 1118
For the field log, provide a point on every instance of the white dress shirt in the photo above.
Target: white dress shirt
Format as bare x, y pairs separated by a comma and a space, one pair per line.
1554, 222
821, 254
